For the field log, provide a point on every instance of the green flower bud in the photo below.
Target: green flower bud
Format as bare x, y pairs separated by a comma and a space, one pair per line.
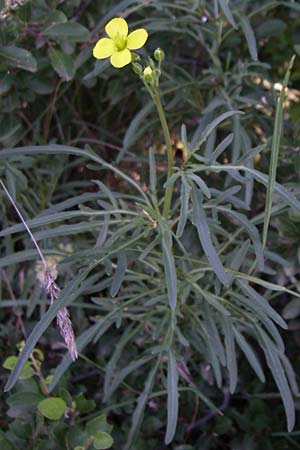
137, 68
150, 62
148, 74
159, 55
135, 57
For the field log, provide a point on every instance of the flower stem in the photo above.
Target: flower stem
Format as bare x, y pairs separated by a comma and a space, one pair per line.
166, 132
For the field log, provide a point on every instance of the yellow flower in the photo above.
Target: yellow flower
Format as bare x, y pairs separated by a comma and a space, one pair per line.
119, 43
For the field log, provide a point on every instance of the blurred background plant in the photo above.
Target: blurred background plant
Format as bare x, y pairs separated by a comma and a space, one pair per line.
219, 57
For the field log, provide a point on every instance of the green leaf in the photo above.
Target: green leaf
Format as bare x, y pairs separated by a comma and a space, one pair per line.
290, 374
214, 300
184, 138
211, 126
138, 414
41, 87
230, 354
70, 32
65, 149
120, 274
98, 424
62, 64
262, 178
252, 231
18, 57
291, 309
288, 229
84, 405
221, 147
275, 151
52, 408
261, 303
102, 440
55, 17
227, 12
22, 403
120, 375
10, 362
200, 222
250, 355
274, 363
200, 183
42, 220
184, 206
102, 236
214, 335
73, 436
169, 266
22, 428
172, 406
110, 368
249, 35
27, 371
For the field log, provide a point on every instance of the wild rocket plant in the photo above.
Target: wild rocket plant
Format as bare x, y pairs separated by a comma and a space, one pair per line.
177, 268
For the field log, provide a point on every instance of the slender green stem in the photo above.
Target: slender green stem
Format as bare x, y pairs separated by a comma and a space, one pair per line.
166, 132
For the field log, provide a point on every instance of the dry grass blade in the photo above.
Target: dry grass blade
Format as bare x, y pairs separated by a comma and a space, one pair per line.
52, 289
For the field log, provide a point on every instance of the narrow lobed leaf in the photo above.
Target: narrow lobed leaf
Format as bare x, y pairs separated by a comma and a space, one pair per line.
231, 360
249, 35
169, 266
275, 150
184, 206
200, 222
120, 273
172, 405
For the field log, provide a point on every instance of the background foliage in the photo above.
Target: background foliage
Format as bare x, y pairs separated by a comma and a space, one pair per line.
86, 215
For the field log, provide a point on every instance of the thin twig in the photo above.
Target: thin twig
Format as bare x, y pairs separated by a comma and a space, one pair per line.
211, 414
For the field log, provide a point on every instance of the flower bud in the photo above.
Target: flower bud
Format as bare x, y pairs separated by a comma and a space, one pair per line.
137, 68
159, 55
135, 57
148, 74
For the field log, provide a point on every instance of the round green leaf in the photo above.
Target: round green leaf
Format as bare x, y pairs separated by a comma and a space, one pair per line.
18, 57
102, 440
52, 408
10, 362
97, 424
27, 371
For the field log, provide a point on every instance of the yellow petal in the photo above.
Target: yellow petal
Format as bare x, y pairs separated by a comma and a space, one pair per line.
121, 59
104, 48
117, 26
147, 71
137, 39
